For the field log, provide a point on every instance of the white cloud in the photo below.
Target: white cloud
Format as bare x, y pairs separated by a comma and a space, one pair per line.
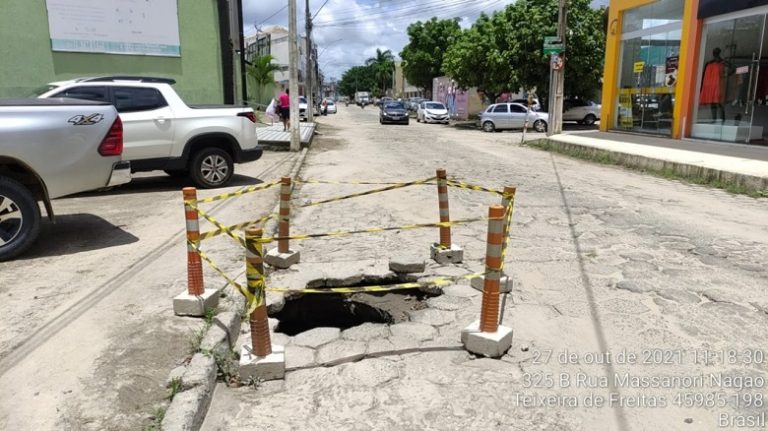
347, 32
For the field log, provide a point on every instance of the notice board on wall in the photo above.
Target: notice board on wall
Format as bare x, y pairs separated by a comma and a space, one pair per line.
138, 27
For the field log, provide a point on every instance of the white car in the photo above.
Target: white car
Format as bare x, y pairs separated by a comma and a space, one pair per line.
581, 111
302, 108
162, 132
432, 112
330, 107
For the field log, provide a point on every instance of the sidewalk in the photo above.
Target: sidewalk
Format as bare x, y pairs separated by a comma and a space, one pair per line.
738, 164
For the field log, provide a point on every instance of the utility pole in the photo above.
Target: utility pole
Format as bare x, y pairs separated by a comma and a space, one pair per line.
243, 75
308, 74
293, 71
557, 77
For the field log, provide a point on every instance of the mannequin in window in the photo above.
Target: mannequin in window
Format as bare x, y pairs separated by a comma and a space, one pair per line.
712, 85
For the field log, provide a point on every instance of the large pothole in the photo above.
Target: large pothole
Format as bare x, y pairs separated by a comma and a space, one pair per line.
344, 311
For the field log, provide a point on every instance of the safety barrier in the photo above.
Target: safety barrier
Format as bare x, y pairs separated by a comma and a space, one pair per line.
499, 219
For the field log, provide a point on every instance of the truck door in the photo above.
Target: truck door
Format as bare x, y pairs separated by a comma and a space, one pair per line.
148, 124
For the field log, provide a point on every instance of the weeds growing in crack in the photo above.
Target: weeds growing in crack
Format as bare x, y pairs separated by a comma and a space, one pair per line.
174, 388
157, 419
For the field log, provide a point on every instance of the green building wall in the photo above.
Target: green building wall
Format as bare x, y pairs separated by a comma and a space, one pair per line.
27, 62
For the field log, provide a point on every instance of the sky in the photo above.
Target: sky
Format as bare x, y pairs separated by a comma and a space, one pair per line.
347, 32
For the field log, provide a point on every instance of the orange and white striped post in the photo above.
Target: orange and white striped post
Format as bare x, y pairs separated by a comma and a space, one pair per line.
194, 264
442, 198
196, 300
489, 313
282, 256
486, 336
445, 251
254, 272
285, 214
262, 360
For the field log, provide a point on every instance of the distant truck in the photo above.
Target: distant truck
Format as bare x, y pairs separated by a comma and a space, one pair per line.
362, 98
162, 132
49, 149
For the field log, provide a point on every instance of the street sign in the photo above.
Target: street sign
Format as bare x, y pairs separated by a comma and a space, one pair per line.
639, 66
552, 45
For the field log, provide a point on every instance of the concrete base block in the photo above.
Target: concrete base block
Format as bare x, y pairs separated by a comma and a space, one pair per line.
478, 283
490, 344
191, 305
455, 254
270, 367
282, 260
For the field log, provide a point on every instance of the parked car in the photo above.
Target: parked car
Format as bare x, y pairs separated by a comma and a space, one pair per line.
393, 112
414, 102
432, 112
501, 116
163, 132
330, 106
581, 111
302, 108
536, 105
49, 149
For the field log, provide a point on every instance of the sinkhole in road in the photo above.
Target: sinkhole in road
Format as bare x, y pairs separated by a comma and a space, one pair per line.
344, 311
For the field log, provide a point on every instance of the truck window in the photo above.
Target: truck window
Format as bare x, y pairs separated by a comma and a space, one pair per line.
133, 99
85, 92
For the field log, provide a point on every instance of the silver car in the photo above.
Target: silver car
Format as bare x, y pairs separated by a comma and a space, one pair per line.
581, 111
501, 116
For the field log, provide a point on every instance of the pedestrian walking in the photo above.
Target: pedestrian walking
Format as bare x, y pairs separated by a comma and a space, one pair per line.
285, 110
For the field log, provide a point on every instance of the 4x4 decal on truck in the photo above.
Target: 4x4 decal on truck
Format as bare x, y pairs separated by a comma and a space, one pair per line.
86, 120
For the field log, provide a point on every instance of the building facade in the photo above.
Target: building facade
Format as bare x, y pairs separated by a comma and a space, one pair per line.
54, 40
688, 69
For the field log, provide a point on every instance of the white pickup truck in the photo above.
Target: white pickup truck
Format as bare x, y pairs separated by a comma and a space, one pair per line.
162, 132
48, 149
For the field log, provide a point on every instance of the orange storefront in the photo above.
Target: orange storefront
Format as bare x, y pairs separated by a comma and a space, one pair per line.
688, 69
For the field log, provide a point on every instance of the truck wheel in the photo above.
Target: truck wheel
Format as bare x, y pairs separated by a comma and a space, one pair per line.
212, 167
19, 218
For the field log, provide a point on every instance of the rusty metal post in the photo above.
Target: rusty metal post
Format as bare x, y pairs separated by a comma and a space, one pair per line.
285, 214
194, 264
254, 272
442, 197
489, 313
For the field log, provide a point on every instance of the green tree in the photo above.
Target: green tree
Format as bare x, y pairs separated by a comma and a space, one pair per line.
358, 78
261, 71
423, 55
382, 67
504, 52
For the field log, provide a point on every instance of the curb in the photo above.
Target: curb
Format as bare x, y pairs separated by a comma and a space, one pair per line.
684, 170
197, 379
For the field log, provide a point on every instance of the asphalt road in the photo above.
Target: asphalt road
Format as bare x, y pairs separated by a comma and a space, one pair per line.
603, 259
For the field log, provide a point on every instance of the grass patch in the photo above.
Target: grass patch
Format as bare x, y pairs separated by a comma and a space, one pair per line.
157, 419
607, 158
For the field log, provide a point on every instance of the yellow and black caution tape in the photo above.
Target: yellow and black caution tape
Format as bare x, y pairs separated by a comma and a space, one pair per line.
370, 192
380, 183
234, 227
239, 192
369, 230
248, 296
467, 186
216, 223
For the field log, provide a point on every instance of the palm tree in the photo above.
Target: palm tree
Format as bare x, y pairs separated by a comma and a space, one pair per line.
261, 70
383, 64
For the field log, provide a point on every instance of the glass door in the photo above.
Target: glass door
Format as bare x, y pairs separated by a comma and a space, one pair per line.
728, 91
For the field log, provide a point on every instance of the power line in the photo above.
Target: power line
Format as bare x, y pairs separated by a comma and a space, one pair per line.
406, 14
267, 18
407, 10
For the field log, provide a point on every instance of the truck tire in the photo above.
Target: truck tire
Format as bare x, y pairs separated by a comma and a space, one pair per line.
19, 218
212, 167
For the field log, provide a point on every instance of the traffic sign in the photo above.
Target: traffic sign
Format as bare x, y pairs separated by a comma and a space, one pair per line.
552, 45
